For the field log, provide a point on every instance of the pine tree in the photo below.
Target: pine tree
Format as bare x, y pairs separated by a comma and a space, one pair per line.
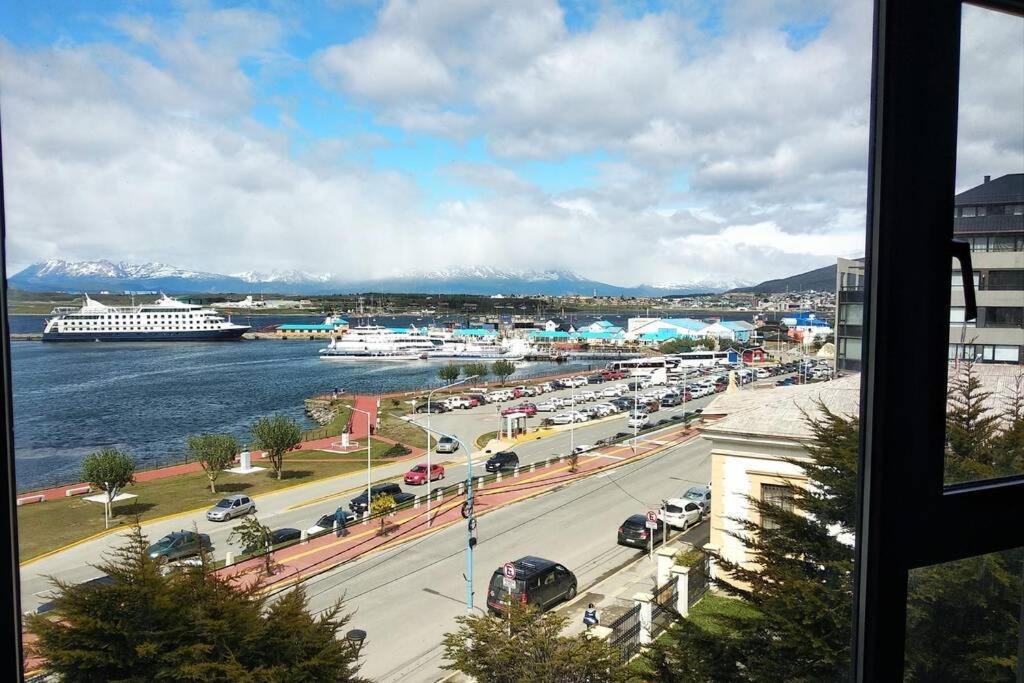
1008, 446
189, 624
970, 428
526, 645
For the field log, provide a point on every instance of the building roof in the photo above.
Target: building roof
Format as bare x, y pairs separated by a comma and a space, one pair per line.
603, 323
659, 335
779, 411
554, 334
475, 332
295, 327
598, 335
1007, 189
687, 323
737, 325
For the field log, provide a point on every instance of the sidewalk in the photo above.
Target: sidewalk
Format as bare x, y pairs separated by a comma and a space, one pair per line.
613, 595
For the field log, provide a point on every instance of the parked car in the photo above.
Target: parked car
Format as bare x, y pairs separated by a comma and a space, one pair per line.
613, 374
231, 507
579, 381
446, 444
679, 513
700, 495
418, 474
178, 544
435, 407
671, 400
586, 396
595, 379
458, 402
505, 461
605, 409
547, 407
326, 523
539, 582
358, 504
590, 412
634, 532
529, 409
285, 535
478, 399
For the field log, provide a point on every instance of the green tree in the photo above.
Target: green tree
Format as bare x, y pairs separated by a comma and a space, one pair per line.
276, 435
527, 645
478, 370
1008, 445
382, 506
109, 470
449, 373
255, 538
689, 653
970, 427
214, 452
676, 346
503, 369
190, 624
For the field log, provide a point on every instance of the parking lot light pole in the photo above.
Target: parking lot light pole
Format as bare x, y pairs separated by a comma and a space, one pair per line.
368, 417
429, 395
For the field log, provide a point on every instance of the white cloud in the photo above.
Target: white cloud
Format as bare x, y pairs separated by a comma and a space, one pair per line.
731, 155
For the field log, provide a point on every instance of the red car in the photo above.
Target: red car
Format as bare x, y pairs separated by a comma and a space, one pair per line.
528, 408
613, 374
418, 475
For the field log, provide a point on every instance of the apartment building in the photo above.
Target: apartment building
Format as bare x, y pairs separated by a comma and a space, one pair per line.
849, 313
991, 218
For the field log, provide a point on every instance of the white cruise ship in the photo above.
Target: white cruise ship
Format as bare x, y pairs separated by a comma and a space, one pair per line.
166, 319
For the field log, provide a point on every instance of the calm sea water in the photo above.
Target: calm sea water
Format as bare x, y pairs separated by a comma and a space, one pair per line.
147, 398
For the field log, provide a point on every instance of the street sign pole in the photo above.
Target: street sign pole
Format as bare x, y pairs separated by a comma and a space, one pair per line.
652, 528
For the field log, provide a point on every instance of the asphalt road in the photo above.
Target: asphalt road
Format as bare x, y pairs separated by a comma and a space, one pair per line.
406, 598
301, 507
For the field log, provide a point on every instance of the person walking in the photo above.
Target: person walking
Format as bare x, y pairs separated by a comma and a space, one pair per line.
339, 522
590, 616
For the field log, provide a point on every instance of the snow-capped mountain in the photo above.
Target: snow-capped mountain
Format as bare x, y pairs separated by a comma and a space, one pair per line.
285, 276
705, 285
103, 275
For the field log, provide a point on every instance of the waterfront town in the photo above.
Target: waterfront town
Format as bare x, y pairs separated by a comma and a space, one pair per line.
419, 341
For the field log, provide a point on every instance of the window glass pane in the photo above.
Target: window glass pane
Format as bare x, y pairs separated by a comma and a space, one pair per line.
985, 409
963, 619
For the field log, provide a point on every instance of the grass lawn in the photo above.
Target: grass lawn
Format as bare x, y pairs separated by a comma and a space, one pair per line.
393, 427
45, 526
482, 440
708, 611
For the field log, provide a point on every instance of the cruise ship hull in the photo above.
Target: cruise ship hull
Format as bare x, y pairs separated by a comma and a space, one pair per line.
126, 336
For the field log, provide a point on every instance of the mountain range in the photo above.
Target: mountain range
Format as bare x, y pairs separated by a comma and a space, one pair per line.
820, 279
104, 275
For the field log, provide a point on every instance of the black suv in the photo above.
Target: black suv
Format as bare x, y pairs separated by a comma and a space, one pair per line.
595, 379
358, 504
634, 531
539, 582
505, 461
435, 407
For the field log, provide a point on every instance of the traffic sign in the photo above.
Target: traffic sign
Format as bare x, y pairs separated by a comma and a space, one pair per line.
509, 570
652, 519
509, 584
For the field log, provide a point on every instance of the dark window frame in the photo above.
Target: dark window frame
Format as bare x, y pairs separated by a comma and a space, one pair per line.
912, 167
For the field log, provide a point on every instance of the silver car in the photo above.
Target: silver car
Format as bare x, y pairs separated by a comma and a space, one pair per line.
447, 444
231, 507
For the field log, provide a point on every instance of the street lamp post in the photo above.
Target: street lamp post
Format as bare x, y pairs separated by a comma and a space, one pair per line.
368, 476
429, 395
467, 513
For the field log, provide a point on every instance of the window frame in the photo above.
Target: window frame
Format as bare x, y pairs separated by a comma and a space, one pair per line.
912, 173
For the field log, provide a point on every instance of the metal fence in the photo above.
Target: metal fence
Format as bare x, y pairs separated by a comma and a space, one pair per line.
626, 633
698, 581
663, 607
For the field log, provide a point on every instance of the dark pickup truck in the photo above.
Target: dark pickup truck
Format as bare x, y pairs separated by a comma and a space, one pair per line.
358, 504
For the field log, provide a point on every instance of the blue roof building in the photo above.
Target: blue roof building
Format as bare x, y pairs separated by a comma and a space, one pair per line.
474, 333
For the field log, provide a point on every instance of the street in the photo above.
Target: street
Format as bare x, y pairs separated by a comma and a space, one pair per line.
406, 598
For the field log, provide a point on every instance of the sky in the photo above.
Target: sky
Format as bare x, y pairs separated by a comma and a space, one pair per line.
632, 141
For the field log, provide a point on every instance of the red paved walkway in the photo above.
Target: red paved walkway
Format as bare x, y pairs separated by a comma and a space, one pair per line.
325, 552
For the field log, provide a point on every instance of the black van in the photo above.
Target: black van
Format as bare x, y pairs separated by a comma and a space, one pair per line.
539, 582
